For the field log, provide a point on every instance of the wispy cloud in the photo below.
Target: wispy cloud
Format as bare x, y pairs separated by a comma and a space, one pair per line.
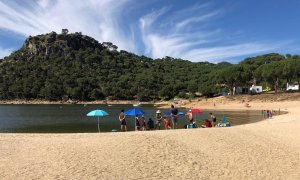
99, 19
174, 39
199, 42
196, 19
221, 53
189, 32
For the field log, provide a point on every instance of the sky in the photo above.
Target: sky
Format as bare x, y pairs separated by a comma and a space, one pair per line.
195, 30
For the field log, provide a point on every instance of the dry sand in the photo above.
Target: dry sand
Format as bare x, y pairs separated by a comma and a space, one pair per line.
269, 149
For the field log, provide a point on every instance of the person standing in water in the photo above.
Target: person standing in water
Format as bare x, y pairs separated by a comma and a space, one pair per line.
159, 119
190, 115
122, 119
142, 123
213, 119
174, 114
137, 123
150, 124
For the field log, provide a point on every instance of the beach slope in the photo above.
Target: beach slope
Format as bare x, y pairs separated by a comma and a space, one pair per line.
269, 149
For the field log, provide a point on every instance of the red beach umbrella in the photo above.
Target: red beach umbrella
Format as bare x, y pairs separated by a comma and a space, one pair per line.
196, 111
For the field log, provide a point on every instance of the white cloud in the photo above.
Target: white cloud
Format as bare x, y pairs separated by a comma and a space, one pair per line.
99, 19
5, 52
185, 33
196, 19
179, 41
221, 53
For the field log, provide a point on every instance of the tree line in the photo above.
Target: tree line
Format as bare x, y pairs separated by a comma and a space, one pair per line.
58, 66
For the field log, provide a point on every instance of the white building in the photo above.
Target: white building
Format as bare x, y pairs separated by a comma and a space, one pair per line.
292, 87
256, 89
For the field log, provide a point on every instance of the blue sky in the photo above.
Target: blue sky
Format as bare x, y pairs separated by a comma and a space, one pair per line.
196, 30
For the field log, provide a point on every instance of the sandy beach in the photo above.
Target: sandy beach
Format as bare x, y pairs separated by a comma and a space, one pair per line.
269, 149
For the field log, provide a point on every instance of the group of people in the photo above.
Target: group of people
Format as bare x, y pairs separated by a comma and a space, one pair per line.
267, 113
142, 125
207, 124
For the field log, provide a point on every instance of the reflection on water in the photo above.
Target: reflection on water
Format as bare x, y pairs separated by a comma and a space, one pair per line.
73, 119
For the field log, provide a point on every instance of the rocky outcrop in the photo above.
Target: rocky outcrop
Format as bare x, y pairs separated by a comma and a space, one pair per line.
59, 43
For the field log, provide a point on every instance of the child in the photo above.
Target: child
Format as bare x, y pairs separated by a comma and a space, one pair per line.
167, 123
158, 119
207, 124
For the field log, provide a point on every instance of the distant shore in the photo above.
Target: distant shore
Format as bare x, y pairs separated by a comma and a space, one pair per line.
21, 101
256, 102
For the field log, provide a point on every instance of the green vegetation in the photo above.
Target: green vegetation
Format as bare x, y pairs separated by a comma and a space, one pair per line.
58, 66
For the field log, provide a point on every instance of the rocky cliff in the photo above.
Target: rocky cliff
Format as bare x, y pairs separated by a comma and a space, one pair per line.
59, 43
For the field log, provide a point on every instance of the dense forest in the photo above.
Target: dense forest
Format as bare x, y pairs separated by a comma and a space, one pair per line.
71, 65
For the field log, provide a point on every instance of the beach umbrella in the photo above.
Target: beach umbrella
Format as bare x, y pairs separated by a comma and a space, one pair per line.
196, 111
134, 112
169, 113
97, 113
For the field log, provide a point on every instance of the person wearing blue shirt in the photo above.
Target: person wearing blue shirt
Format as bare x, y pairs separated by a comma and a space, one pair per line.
174, 115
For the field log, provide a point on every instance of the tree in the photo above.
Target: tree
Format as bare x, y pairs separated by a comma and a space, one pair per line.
64, 31
231, 76
272, 71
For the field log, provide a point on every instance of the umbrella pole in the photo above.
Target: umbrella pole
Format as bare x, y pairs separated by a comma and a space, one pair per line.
134, 124
98, 125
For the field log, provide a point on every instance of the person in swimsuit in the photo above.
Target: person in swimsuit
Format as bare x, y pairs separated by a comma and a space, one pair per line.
191, 117
167, 123
213, 119
159, 119
122, 119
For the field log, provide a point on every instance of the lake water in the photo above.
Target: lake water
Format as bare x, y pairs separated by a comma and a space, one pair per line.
73, 119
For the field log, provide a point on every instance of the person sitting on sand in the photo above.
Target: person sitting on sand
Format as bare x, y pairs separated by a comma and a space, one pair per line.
159, 119
191, 125
150, 124
122, 119
167, 122
207, 124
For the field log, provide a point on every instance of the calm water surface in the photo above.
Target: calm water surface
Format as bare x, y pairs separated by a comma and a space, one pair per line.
73, 119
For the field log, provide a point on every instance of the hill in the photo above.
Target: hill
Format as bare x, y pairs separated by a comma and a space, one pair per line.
74, 66
57, 66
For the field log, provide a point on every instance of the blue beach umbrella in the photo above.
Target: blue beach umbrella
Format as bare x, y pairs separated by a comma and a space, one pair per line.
134, 112
97, 113
179, 113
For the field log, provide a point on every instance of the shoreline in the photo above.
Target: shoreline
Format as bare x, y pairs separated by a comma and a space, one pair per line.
28, 102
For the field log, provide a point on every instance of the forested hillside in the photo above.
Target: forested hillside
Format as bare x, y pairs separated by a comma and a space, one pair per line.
71, 65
